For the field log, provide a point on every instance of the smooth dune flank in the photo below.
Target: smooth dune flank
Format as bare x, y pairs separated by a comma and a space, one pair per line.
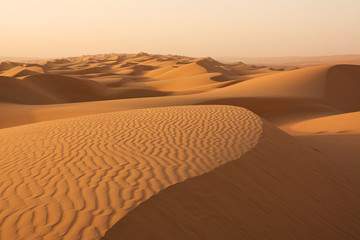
141, 146
105, 77
281, 96
278, 190
75, 178
342, 123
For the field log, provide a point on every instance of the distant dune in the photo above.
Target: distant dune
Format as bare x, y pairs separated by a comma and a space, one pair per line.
297, 61
141, 146
20, 59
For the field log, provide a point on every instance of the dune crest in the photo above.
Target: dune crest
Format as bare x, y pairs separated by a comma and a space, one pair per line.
118, 76
280, 189
281, 97
75, 178
20, 72
142, 146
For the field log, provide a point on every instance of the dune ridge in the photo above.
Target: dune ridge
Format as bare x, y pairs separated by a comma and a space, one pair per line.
40, 89
279, 97
24, 71
74, 178
280, 189
142, 146
109, 76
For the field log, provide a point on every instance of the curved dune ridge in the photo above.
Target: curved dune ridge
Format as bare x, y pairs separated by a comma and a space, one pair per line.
75, 178
149, 75
6, 65
56, 89
19, 71
196, 67
140, 146
297, 94
280, 189
337, 86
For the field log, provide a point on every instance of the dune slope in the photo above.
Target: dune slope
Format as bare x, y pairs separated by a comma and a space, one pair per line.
337, 86
341, 123
278, 190
279, 97
119, 77
56, 89
140, 146
343, 87
75, 178
342, 149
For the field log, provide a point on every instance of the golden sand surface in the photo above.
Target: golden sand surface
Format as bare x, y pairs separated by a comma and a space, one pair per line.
140, 146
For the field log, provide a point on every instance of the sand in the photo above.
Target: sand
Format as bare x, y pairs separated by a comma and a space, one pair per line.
341, 123
278, 190
286, 62
74, 178
140, 146
342, 149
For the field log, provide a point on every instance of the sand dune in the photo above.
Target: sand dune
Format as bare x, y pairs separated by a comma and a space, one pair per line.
279, 97
51, 89
178, 75
6, 65
47, 89
298, 94
74, 178
278, 190
185, 83
19, 71
337, 86
342, 149
300, 61
198, 66
132, 146
302, 83
14, 91
342, 123
212, 65
159, 71
343, 87
183, 71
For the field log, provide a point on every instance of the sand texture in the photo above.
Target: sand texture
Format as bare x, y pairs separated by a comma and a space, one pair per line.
140, 146
278, 190
74, 178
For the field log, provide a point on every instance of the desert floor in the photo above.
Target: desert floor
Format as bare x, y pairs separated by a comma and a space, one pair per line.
139, 146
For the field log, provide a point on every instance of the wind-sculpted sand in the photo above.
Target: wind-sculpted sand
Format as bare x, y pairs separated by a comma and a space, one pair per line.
288, 96
132, 146
75, 178
104, 77
280, 189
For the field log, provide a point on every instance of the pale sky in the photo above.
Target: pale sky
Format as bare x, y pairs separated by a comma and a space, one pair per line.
218, 28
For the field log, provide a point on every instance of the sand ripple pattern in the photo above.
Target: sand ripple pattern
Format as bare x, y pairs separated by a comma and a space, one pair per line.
75, 178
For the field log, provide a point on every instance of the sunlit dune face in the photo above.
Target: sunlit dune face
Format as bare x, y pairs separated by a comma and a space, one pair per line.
95, 145
206, 132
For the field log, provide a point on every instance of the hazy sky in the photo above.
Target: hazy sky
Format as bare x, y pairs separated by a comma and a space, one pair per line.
244, 28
